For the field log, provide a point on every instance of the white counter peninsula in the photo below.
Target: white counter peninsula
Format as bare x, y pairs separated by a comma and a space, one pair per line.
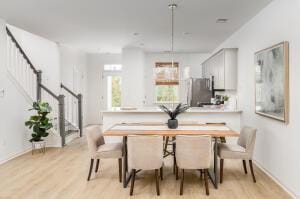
200, 115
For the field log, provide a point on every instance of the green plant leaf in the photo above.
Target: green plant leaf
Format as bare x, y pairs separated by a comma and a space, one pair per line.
35, 118
39, 123
28, 123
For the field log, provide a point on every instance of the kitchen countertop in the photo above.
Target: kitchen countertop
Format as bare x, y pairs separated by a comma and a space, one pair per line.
157, 110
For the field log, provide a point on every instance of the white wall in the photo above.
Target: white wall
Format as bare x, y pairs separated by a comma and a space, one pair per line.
95, 88
277, 146
191, 60
133, 61
75, 61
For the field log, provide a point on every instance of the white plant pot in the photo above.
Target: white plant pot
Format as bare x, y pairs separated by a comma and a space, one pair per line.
40, 146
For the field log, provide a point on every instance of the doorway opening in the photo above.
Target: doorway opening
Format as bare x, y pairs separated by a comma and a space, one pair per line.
114, 83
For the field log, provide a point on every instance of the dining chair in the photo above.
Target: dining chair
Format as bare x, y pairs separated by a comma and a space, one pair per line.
242, 150
98, 149
145, 153
193, 152
170, 141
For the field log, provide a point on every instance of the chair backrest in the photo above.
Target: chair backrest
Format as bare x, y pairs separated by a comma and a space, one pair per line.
193, 152
94, 138
145, 152
247, 139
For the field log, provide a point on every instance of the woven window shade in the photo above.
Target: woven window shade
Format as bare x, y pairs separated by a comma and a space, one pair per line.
166, 73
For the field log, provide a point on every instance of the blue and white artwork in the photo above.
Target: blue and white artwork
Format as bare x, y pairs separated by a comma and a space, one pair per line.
271, 82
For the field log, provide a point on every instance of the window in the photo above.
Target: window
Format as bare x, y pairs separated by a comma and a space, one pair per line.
166, 82
112, 67
114, 91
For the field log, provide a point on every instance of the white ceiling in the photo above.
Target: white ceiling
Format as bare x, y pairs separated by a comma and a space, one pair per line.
108, 26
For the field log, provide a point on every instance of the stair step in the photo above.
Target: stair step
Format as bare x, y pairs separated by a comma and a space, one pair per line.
70, 132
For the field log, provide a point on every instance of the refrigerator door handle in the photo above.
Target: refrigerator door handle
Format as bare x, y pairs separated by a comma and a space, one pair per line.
189, 92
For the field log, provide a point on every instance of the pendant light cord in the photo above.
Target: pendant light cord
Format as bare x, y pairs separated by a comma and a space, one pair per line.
172, 31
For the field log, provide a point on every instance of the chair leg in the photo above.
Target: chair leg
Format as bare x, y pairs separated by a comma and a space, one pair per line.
161, 173
133, 171
157, 182
166, 145
174, 157
223, 139
120, 169
201, 171
206, 181
177, 177
97, 165
252, 172
181, 183
221, 169
91, 168
245, 166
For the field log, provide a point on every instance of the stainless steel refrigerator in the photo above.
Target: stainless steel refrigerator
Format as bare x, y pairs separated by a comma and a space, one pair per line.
199, 91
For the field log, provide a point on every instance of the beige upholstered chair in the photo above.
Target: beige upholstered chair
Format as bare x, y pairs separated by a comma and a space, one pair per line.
99, 150
145, 153
193, 152
242, 150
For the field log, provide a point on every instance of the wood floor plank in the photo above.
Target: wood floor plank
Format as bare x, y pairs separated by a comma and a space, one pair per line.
62, 173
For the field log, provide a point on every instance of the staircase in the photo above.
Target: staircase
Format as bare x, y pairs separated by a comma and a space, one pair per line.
67, 106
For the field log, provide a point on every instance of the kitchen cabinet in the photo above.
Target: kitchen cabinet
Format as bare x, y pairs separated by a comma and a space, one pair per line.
223, 66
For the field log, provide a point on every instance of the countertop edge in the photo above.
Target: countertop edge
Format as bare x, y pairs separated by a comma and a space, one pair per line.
157, 111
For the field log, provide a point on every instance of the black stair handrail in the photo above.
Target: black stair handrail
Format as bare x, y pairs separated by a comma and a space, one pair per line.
79, 99
69, 90
49, 92
21, 50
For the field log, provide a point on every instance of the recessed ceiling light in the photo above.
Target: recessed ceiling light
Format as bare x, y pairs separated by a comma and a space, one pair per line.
222, 20
136, 34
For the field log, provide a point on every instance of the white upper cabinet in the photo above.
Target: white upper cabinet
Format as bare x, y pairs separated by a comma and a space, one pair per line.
223, 66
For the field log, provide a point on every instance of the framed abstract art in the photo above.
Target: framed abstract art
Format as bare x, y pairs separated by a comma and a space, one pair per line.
272, 82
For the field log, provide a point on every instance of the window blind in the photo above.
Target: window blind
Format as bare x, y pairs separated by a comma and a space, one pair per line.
166, 73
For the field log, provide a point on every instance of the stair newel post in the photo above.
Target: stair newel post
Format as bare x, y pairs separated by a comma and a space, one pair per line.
79, 96
38, 85
61, 108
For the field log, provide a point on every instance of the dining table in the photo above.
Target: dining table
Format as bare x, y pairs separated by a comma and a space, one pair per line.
216, 131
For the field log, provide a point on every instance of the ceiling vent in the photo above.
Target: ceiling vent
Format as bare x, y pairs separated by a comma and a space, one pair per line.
223, 20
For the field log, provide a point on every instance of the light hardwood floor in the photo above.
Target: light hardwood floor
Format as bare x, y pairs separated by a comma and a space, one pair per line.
61, 173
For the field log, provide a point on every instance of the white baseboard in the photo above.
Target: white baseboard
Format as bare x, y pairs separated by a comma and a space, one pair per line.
277, 181
15, 155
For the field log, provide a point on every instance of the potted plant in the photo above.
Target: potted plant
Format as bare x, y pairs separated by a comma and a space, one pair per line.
39, 123
225, 99
173, 122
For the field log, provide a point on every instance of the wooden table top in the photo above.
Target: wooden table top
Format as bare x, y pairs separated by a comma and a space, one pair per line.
214, 130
